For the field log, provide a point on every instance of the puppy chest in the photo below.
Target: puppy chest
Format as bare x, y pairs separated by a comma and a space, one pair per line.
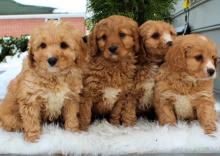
110, 96
183, 106
55, 101
147, 95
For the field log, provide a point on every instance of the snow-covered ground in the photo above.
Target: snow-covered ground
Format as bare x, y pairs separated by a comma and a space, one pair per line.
8, 71
103, 138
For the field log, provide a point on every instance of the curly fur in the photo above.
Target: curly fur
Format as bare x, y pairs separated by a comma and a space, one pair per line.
184, 89
151, 56
109, 76
42, 92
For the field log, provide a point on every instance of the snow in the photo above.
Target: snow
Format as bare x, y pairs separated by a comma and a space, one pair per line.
62, 6
9, 69
103, 138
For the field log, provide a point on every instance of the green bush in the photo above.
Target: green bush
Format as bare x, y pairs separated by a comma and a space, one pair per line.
139, 10
9, 46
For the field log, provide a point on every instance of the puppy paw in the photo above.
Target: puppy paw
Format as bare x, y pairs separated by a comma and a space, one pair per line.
71, 128
114, 122
32, 136
210, 129
169, 123
130, 122
84, 127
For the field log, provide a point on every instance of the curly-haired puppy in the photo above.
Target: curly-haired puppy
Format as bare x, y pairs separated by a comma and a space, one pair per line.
184, 84
112, 47
49, 84
156, 38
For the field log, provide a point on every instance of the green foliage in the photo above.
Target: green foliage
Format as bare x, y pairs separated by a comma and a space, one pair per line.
10, 46
139, 10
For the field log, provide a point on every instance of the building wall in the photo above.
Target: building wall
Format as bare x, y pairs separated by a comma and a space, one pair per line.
18, 27
204, 18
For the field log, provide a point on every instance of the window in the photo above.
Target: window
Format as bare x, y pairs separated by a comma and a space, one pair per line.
55, 19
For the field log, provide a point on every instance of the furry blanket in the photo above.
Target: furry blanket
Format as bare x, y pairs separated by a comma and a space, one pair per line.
103, 138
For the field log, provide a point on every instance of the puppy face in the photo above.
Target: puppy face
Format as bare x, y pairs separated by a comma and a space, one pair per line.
114, 38
157, 37
194, 54
55, 47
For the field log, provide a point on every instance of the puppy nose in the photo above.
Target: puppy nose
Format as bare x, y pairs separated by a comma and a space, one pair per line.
170, 43
211, 71
113, 49
52, 61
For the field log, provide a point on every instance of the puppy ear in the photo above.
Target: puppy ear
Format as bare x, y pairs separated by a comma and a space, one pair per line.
82, 57
92, 43
31, 58
136, 40
142, 52
176, 56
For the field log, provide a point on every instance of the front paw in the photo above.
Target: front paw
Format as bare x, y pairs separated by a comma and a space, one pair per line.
71, 127
84, 127
32, 136
130, 123
115, 122
210, 128
169, 123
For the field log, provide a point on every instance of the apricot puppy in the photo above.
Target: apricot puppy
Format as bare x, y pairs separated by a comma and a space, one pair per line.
184, 84
49, 84
113, 45
156, 38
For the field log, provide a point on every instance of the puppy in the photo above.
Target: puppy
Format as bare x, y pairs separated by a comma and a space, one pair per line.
113, 44
156, 38
184, 84
49, 84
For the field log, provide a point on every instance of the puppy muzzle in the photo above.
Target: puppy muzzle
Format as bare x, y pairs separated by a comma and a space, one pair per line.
52, 61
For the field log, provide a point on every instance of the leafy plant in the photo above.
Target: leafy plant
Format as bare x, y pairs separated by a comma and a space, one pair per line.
9, 46
139, 10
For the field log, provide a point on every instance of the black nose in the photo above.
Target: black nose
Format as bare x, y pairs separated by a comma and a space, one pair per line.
52, 61
170, 43
113, 49
211, 71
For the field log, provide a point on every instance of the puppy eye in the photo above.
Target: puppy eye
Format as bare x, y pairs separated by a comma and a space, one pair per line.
122, 35
64, 45
199, 58
155, 35
104, 37
43, 45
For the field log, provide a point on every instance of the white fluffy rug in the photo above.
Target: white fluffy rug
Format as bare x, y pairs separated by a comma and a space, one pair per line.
103, 138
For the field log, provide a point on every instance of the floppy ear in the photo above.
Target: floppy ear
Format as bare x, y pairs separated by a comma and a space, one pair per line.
82, 57
92, 43
136, 40
142, 52
31, 58
176, 56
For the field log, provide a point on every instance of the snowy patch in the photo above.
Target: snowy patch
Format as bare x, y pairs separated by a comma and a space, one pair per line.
9, 69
